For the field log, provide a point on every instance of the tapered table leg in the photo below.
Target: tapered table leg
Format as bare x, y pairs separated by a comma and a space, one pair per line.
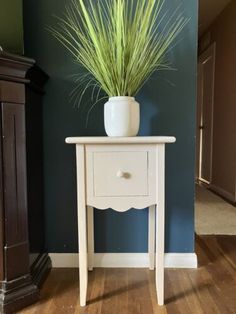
90, 219
151, 236
160, 224
82, 224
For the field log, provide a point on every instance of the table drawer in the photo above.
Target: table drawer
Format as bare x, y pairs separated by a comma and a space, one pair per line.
120, 173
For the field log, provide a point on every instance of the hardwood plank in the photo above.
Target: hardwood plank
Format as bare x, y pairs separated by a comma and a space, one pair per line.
153, 295
201, 281
193, 303
223, 280
139, 300
95, 291
122, 285
172, 300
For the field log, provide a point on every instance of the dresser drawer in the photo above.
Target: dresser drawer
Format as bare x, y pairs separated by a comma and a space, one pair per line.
120, 176
120, 173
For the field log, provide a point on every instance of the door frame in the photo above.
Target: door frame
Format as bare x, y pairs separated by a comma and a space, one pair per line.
210, 52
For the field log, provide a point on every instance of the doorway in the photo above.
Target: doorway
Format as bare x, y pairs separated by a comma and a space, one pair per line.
205, 110
215, 211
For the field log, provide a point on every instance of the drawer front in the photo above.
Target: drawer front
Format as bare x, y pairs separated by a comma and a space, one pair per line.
120, 173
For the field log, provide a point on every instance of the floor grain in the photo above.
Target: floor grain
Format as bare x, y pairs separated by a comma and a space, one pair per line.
209, 289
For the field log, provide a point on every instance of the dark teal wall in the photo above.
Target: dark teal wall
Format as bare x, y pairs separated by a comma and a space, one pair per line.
167, 108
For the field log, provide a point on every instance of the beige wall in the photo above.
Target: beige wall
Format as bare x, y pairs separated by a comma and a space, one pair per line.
11, 25
223, 32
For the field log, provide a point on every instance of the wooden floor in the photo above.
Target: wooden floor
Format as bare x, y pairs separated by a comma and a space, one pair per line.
209, 289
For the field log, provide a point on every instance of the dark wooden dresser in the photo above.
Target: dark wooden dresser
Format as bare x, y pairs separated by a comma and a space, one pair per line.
23, 258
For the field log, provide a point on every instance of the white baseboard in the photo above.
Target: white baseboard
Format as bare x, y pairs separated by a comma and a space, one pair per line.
180, 260
124, 260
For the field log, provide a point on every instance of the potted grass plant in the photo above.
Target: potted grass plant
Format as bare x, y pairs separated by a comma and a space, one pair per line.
120, 43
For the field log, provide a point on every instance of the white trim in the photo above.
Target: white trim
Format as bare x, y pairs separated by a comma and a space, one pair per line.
119, 260
181, 260
121, 140
207, 183
209, 53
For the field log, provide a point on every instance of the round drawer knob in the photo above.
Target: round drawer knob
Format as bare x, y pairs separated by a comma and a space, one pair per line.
120, 174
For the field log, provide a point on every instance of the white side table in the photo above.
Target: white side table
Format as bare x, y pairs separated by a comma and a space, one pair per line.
120, 173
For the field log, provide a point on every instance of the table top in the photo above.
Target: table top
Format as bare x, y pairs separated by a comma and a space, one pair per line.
120, 140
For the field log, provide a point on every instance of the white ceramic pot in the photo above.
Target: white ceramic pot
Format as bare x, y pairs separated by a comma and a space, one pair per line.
121, 116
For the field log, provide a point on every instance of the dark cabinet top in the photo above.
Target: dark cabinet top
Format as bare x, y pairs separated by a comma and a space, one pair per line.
20, 69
